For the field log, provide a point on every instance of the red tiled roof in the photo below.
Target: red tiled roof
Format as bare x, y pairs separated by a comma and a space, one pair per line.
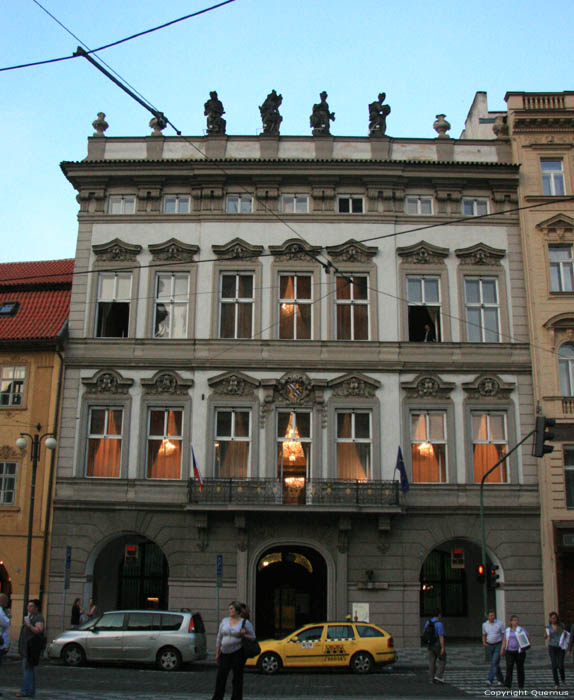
42, 290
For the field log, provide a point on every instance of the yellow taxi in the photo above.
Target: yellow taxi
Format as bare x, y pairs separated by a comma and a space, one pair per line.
359, 645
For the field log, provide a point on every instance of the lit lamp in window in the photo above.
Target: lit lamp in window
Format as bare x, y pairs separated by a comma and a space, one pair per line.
167, 447
425, 448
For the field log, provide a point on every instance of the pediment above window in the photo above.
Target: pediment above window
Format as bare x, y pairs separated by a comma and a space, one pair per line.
561, 321
173, 251
237, 249
354, 386
480, 254
295, 249
167, 383
233, 384
488, 386
427, 386
294, 388
423, 253
107, 381
557, 227
8, 453
116, 251
352, 251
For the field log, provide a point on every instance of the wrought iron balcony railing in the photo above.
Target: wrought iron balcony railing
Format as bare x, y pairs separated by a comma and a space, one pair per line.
322, 492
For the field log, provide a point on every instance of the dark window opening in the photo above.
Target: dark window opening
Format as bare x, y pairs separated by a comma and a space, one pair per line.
350, 205
442, 587
424, 324
9, 308
113, 319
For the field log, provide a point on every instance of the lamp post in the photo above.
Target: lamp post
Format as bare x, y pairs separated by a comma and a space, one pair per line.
21, 443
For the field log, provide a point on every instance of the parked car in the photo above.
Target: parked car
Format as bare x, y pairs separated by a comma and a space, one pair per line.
168, 639
359, 645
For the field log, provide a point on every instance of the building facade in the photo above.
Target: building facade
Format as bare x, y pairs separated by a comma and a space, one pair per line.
289, 311
34, 303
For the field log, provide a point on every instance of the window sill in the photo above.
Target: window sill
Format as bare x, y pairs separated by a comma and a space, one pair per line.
9, 508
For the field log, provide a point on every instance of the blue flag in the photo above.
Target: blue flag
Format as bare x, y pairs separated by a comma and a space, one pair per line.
402, 471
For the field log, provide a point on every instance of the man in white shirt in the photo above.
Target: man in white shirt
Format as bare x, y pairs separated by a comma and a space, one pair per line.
492, 634
4, 626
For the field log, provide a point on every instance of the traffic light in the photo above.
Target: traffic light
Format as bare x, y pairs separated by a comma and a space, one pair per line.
480, 573
492, 578
541, 436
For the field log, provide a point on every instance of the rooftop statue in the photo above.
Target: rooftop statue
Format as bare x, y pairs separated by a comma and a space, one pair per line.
320, 118
378, 113
270, 116
213, 110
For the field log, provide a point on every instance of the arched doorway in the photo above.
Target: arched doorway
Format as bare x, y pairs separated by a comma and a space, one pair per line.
131, 572
291, 590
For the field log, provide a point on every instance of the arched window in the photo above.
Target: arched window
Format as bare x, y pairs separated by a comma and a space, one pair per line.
566, 365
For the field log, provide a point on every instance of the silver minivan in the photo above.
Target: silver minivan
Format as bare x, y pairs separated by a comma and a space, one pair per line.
168, 639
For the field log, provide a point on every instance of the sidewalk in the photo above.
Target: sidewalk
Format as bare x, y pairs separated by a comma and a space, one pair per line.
465, 655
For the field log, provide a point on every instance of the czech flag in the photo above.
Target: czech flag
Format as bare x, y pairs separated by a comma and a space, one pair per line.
196, 471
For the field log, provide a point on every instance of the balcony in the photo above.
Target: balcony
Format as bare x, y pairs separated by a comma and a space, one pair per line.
303, 492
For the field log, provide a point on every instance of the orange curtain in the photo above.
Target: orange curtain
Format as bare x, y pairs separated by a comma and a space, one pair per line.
349, 462
232, 463
428, 460
104, 457
485, 456
164, 459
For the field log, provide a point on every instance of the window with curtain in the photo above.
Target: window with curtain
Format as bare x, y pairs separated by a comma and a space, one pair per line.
12, 381
423, 295
105, 442
295, 307
352, 307
113, 307
293, 446
232, 443
428, 446
354, 445
482, 310
561, 268
489, 444
164, 443
566, 367
236, 305
171, 305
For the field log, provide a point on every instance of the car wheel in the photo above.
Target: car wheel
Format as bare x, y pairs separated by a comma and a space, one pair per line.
168, 659
73, 655
362, 662
269, 663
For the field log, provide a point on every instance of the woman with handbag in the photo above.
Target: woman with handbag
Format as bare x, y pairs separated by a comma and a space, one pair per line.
229, 652
514, 645
558, 640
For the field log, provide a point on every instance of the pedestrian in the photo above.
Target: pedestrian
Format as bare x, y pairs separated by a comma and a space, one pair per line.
92, 612
4, 626
30, 647
514, 646
229, 651
77, 612
555, 635
492, 634
436, 651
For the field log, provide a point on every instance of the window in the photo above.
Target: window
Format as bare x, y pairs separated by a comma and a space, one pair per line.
239, 204
338, 632
9, 308
418, 205
442, 587
7, 483
561, 268
122, 205
354, 445
164, 443
12, 380
423, 296
481, 302
428, 446
312, 634
295, 203
293, 453
552, 176
295, 307
105, 442
352, 307
350, 205
232, 442
569, 475
489, 443
113, 310
171, 304
176, 204
235, 305
566, 367
111, 621
475, 207
366, 632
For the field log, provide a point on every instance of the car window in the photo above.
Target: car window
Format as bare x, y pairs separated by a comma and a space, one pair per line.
312, 634
110, 621
171, 622
340, 632
367, 631
198, 623
143, 621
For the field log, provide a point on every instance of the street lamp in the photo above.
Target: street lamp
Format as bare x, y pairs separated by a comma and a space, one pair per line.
21, 444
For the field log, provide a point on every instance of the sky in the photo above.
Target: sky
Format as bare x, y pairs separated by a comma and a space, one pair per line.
428, 57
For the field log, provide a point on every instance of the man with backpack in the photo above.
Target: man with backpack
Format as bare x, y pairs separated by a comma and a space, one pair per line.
433, 638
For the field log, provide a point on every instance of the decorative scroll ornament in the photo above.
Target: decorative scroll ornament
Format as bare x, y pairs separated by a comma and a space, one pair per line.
427, 386
116, 251
295, 249
423, 253
7, 452
237, 249
173, 251
294, 388
480, 254
167, 383
354, 386
233, 384
488, 387
107, 382
352, 251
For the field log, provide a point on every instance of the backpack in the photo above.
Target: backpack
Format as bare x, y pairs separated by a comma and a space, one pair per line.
428, 637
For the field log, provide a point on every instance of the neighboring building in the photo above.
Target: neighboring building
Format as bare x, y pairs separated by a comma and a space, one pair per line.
34, 305
204, 314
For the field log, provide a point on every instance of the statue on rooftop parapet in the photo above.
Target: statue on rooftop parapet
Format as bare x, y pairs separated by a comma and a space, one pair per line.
270, 116
213, 110
321, 116
378, 113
